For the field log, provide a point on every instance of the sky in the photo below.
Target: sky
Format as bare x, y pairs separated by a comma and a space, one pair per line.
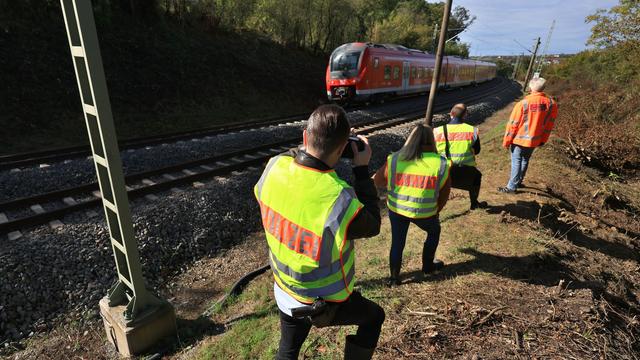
499, 22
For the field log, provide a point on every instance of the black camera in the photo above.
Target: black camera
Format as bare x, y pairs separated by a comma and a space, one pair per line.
348, 151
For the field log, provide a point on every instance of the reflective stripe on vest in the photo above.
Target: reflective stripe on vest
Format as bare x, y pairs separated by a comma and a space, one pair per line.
461, 138
414, 185
525, 116
309, 253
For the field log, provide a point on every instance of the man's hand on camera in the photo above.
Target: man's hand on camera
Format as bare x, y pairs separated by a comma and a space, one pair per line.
361, 158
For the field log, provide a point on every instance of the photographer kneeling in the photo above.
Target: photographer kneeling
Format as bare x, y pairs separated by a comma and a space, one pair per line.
310, 217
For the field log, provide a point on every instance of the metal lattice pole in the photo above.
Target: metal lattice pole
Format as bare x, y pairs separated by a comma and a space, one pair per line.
85, 52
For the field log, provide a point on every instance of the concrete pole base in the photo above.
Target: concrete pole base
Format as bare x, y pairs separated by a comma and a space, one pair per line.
137, 337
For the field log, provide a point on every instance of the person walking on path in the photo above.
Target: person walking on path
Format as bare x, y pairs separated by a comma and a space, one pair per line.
418, 185
460, 143
529, 126
311, 217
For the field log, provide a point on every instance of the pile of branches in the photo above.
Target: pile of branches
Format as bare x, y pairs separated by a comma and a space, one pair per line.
601, 127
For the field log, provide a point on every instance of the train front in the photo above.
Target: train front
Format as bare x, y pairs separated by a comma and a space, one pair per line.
343, 71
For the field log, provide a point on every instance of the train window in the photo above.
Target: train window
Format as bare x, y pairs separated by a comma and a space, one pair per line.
376, 62
414, 72
420, 72
396, 72
387, 72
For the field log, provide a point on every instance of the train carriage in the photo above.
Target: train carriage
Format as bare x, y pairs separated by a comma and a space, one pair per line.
366, 71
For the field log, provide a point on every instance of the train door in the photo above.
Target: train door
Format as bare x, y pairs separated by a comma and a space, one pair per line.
406, 72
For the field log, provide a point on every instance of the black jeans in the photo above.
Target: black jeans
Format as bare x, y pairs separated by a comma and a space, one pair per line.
467, 178
357, 310
400, 227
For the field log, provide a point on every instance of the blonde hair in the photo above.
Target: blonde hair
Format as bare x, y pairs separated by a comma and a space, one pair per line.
421, 137
537, 84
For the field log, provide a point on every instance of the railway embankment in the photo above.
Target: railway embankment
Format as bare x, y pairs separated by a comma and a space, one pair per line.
162, 78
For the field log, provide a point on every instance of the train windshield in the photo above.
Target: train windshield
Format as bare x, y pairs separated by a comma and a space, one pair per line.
345, 63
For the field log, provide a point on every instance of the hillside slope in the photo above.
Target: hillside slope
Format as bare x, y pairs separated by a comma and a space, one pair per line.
162, 77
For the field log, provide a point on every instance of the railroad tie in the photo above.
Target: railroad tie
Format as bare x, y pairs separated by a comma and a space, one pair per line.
54, 224
151, 197
42, 166
15, 170
91, 213
3, 218
97, 193
38, 209
14, 235
222, 163
148, 182
69, 201
208, 168
198, 185
176, 190
188, 172
168, 176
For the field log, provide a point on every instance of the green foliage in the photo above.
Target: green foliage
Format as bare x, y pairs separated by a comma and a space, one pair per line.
503, 68
413, 24
618, 25
317, 25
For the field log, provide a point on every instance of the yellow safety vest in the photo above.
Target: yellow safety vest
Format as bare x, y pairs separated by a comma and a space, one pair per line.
413, 186
461, 138
305, 214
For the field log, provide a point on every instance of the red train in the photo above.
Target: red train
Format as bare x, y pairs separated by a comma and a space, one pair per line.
371, 72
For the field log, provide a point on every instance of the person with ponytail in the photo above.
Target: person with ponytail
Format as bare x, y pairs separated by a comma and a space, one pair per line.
418, 185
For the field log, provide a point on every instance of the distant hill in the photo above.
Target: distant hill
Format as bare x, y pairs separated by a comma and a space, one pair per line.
162, 78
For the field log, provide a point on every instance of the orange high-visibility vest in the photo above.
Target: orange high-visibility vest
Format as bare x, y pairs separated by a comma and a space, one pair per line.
531, 121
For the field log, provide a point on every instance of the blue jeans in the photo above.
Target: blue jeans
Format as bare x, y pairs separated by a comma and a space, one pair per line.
399, 228
520, 156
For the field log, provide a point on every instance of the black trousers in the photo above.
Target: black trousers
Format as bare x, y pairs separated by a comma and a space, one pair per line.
467, 178
357, 310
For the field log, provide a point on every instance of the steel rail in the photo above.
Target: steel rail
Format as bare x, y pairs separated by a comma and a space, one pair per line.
238, 160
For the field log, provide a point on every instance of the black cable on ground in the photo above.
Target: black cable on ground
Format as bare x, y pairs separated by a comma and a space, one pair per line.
236, 289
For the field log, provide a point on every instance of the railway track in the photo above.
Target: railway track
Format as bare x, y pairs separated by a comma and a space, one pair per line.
51, 206
20, 160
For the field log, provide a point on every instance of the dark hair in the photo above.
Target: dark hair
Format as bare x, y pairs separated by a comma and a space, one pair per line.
459, 110
328, 128
420, 140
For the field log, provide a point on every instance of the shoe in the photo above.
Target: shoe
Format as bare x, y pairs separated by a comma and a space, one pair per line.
479, 205
353, 351
506, 190
435, 266
521, 185
394, 278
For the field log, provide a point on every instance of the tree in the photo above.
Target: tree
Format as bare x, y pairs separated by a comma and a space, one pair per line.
616, 26
412, 24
